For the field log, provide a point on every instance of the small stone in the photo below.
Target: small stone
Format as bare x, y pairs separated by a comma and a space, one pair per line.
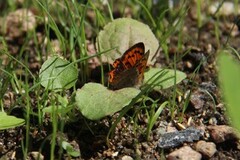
138, 152
36, 155
212, 121
19, 22
108, 153
208, 149
115, 154
196, 99
234, 29
221, 133
226, 9
127, 158
171, 127
184, 153
2, 147
202, 128
238, 144
209, 48
209, 86
56, 46
146, 147
162, 128
8, 99
127, 151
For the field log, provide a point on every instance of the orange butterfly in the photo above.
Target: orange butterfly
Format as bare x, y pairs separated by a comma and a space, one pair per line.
128, 71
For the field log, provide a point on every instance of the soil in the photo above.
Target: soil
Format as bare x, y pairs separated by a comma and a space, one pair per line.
129, 137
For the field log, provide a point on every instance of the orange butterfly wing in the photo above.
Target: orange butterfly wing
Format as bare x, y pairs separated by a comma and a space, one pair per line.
129, 69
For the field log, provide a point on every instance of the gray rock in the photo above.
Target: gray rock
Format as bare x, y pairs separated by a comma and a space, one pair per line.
173, 139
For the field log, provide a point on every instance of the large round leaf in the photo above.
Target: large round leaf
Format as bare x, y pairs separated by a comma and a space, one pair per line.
95, 101
162, 78
57, 73
124, 33
7, 121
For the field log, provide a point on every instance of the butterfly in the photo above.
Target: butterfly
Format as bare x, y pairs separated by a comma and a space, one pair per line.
128, 70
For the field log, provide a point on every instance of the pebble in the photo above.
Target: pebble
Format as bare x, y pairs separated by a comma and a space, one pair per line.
221, 133
127, 158
115, 154
171, 128
145, 146
207, 149
127, 151
8, 99
19, 22
233, 28
36, 155
138, 152
184, 153
162, 128
209, 86
226, 9
196, 99
213, 121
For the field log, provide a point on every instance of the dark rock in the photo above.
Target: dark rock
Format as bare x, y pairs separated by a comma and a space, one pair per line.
173, 139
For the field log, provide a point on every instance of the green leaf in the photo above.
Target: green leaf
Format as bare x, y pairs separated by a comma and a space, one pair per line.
154, 117
124, 33
57, 73
95, 101
162, 78
69, 149
7, 121
53, 109
61, 107
229, 77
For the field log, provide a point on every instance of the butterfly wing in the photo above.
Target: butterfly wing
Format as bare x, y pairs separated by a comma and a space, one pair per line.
141, 66
129, 69
133, 55
127, 78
